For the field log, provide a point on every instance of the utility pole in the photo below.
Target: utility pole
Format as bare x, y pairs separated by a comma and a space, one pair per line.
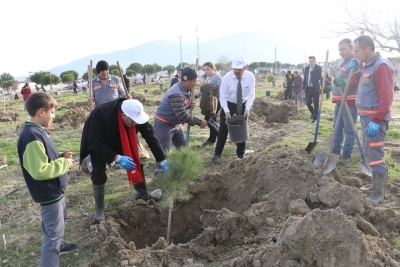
276, 69
180, 45
198, 47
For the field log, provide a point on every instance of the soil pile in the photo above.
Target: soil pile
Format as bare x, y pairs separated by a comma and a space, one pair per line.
269, 112
143, 99
73, 118
9, 116
272, 208
281, 95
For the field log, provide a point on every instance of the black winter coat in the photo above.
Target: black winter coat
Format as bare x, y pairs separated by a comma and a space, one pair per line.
101, 135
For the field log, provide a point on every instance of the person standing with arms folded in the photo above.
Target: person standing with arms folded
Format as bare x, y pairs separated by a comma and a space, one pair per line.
312, 87
214, 78
345, 128
237, 94
374, 105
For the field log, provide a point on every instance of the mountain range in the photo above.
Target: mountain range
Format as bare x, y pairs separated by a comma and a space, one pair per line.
255, 46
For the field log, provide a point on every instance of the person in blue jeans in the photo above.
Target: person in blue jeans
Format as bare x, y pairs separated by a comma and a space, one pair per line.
345, 131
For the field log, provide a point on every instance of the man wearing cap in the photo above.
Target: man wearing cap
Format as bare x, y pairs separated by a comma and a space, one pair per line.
109, 135
236, 94
106, 87
171, 112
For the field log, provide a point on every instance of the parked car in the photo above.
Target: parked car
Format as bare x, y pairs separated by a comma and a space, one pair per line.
292, 69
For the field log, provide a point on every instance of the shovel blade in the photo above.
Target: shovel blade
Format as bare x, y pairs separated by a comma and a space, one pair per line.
326, 162
310, 147
365, 168
89, 164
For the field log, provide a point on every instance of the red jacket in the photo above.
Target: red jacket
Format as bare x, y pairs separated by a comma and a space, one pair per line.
26, 92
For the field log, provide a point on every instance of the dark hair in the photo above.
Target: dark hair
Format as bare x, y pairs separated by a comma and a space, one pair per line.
364, 41
346, 41
210, 64
295, 72
289, 72
310, 57
39, 100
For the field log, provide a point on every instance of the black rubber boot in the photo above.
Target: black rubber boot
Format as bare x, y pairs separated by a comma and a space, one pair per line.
98, 193
141, 192
379, 188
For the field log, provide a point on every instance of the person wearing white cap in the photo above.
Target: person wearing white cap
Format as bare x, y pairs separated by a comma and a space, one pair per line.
109, 135
236, 95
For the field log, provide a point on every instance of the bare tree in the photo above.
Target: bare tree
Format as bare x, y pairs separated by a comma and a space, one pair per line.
384, 31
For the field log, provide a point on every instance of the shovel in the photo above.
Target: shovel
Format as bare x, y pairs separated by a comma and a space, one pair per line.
311, 145
363, 163
190, 111
326, 162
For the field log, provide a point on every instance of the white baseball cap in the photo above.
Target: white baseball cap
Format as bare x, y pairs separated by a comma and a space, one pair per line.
134, 110
239, 62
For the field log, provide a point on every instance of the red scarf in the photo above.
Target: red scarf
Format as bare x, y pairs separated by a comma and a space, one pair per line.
129, 145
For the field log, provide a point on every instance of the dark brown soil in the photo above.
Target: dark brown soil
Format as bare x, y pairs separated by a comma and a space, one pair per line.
273, 208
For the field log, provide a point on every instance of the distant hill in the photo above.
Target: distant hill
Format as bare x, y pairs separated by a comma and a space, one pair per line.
255, 46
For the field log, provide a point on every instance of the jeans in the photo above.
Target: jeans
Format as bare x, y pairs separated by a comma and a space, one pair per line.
298, 96
344, 128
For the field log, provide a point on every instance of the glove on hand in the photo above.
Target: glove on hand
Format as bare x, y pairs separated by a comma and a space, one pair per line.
339, 82
125, 162
354, 64
372, 129
165, 165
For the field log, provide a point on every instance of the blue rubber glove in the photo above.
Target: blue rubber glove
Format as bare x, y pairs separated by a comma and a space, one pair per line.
125, 162
372, 129
354, 64
165, 165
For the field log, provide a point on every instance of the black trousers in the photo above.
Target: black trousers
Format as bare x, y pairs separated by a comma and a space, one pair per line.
288, 93
313, 98
213, 133
99, 176
223, 131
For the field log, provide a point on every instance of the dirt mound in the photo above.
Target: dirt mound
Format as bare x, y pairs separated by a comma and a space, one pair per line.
281, 95
143, 99
73, 118
269, 112
272, 208
9, 116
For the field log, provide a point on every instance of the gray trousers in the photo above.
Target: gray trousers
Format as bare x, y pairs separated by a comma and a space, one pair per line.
374, 146
54, 217
167, 133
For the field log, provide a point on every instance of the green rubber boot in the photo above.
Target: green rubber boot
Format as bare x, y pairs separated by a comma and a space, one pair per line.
98, 193
379, 188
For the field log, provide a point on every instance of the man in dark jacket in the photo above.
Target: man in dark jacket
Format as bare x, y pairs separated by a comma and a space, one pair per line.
312, 86
109, 135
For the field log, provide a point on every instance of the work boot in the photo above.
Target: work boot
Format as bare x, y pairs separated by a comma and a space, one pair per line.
344, 160
379, 188
98, 193
141, 192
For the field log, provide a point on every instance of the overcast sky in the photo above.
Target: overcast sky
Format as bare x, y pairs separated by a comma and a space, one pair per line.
42, 34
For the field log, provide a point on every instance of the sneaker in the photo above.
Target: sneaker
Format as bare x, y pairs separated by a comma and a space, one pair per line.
215, 157
67, 248
207, 143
